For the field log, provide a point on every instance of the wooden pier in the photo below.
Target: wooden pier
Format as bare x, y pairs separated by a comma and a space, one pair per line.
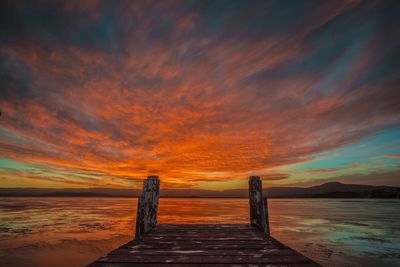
192, 245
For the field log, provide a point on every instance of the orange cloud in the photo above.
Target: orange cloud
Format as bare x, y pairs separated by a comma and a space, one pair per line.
184, 102
392, 156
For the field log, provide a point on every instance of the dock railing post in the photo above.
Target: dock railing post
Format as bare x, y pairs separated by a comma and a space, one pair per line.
258, 205
147, 208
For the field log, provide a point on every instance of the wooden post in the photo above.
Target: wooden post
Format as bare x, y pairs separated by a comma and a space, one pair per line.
258, 205
146, 218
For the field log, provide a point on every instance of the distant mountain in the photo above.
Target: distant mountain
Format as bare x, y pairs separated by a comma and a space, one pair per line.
332, 189
376, 193
327, 190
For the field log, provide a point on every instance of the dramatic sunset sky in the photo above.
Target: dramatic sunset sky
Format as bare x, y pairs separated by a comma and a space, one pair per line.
201, 93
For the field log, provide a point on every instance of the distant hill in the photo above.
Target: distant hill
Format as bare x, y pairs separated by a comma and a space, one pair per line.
335, 189
327, 190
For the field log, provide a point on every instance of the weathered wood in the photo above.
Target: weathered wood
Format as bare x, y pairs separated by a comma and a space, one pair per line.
182, 258
266, 214
205, 245
194, 241
199, 252
216, 249
258, 205
146, 218
194, 244
132, 264
207, 226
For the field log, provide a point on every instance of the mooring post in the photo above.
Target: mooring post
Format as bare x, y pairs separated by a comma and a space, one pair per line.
146, 218
258, 205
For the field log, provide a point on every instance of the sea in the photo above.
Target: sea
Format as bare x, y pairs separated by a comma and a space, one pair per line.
74, 231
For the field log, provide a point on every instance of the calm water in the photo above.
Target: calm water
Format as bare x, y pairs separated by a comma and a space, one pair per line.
76, 231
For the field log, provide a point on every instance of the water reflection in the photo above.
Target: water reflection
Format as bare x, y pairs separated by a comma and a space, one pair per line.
75, 231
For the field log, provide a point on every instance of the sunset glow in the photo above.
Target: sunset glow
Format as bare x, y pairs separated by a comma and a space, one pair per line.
203, 94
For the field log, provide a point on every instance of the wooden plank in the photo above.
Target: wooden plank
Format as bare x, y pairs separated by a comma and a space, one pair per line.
207, 235
198, 252
161, 229
232, 259
194, 246
205, 232
207, 242
205, 226
200, 238
124, 264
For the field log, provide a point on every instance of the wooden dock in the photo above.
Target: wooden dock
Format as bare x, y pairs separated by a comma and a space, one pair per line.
169, 245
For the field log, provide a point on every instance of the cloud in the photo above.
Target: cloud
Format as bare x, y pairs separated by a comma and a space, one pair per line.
190, 91
322, 171
275, 176
392, 156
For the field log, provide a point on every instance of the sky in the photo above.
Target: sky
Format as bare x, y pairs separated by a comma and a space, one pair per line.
201, 93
